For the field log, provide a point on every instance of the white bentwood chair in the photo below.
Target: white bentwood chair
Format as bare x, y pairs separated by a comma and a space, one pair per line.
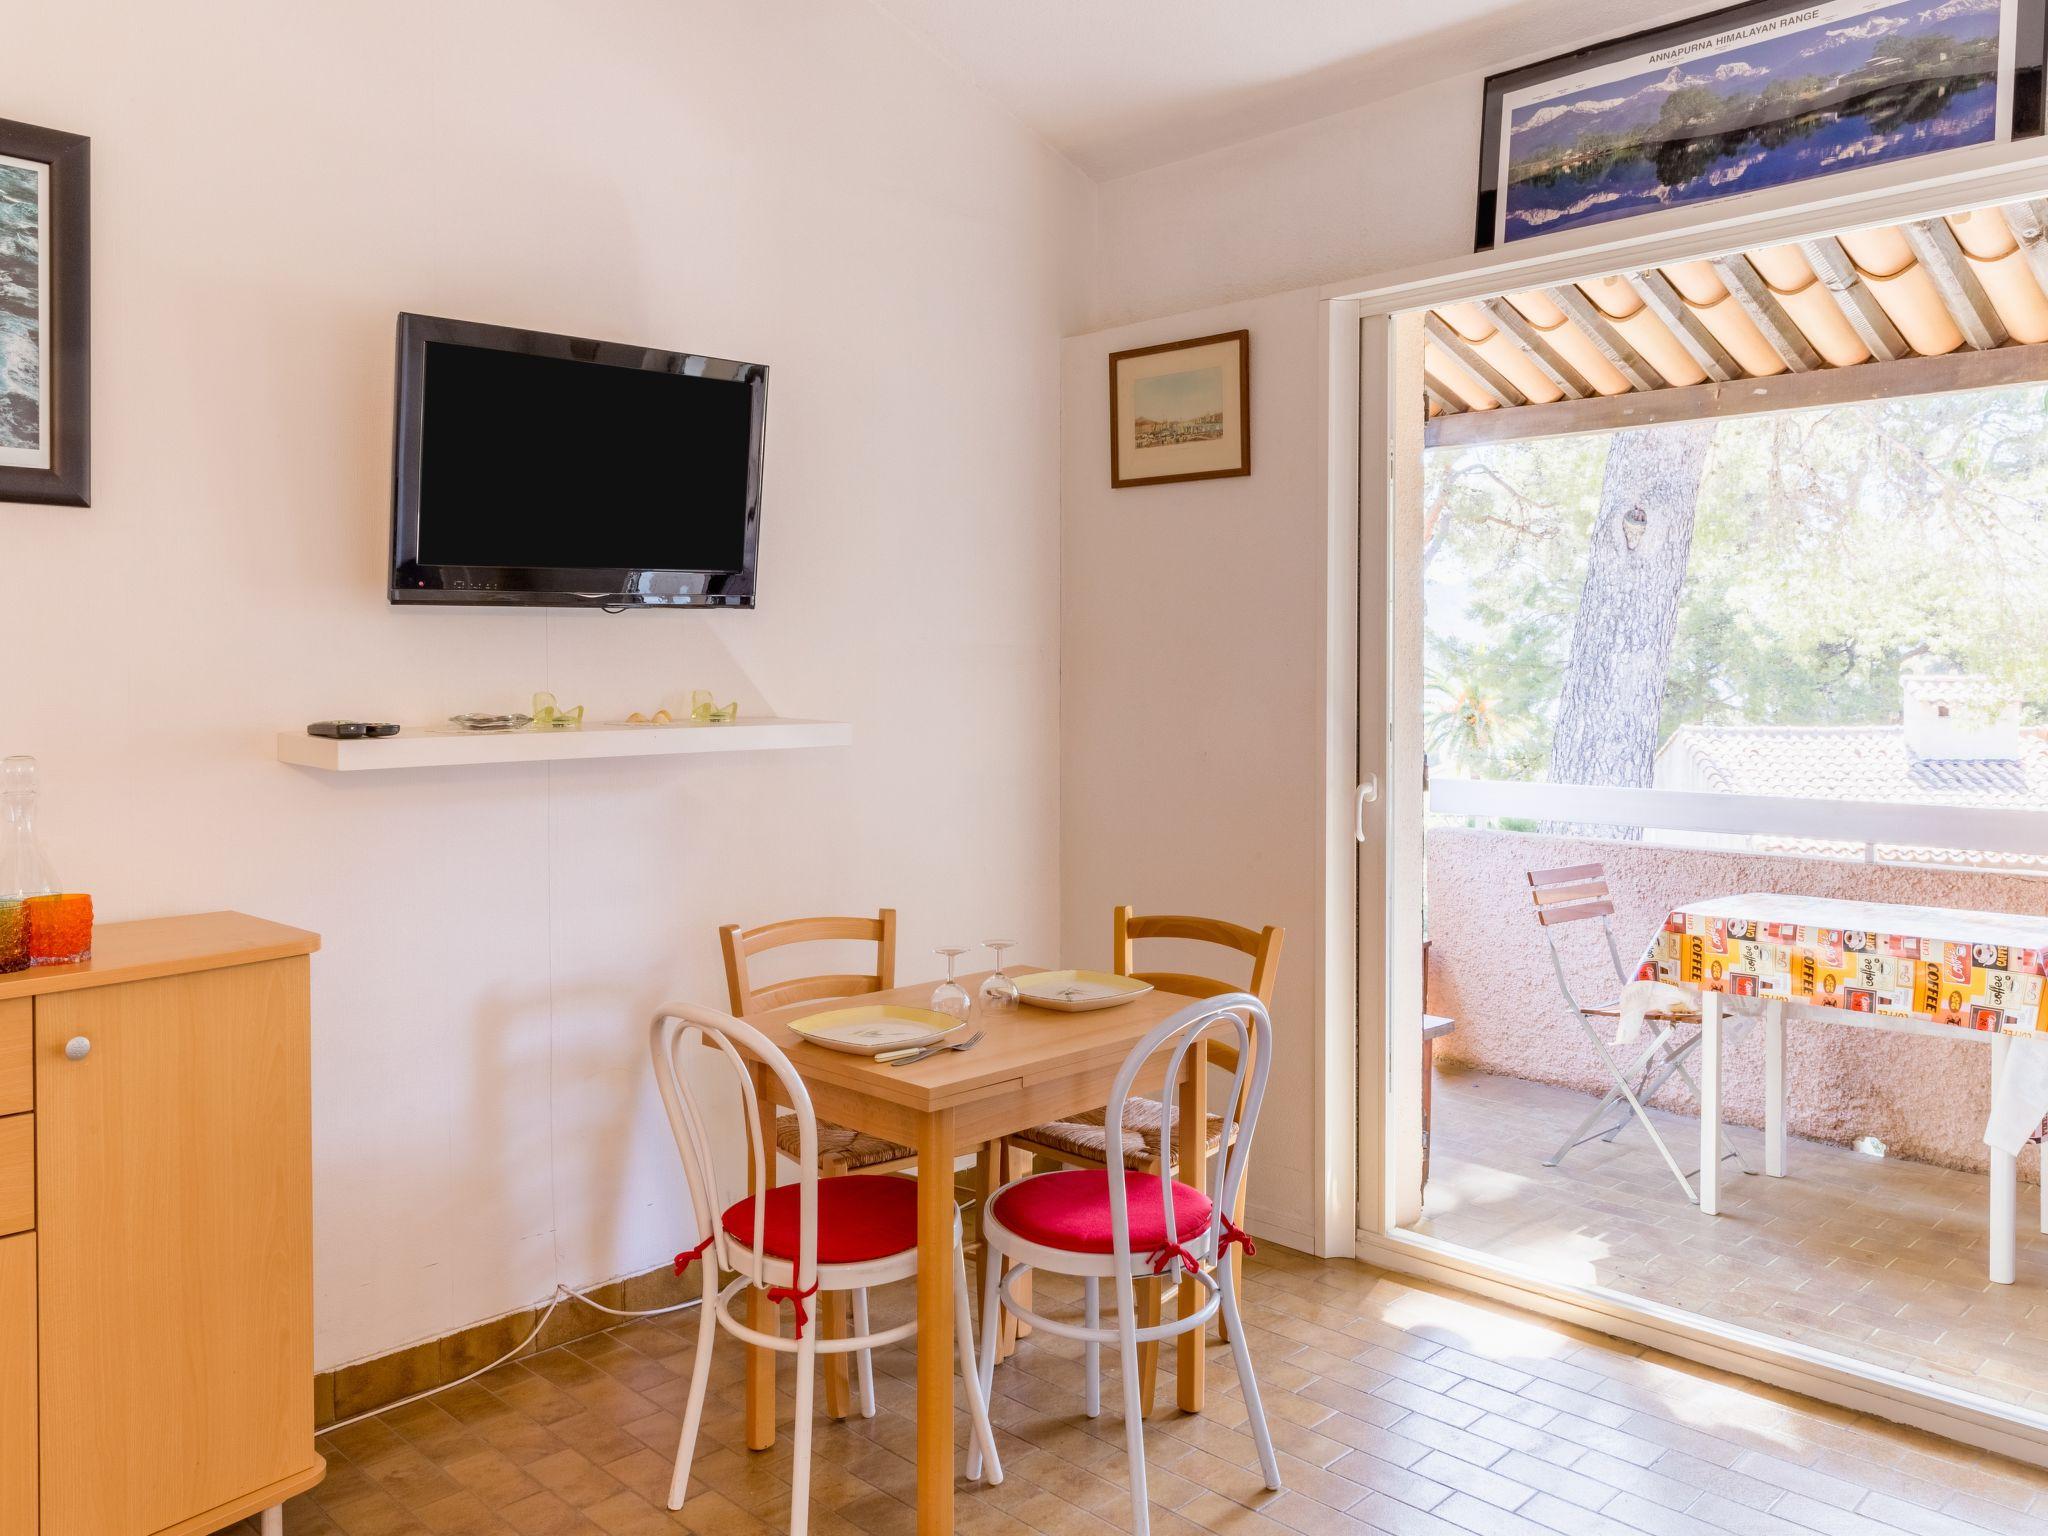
795, 1240
1137, 1224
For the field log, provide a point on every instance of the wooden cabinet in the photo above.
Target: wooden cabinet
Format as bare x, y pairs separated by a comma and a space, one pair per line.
18, 1384
17, 1173
17, 1056
167, 1304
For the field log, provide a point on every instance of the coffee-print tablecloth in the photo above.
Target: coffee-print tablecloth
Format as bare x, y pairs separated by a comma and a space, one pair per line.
1924, 970
1973, 970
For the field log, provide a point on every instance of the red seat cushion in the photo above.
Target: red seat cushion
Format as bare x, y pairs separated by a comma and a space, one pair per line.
860, 1217
1070, 1210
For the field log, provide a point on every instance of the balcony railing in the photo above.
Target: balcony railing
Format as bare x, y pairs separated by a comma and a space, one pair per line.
1985, 834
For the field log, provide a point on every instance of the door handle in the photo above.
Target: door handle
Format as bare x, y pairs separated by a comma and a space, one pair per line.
1368, 791
77, 1048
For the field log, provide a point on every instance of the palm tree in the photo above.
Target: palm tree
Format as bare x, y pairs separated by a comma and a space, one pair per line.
1460, 727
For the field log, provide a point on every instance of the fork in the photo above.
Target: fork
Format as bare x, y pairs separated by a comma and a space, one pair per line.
908, 1058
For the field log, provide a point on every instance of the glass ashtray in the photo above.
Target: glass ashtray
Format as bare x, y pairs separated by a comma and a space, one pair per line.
490, 722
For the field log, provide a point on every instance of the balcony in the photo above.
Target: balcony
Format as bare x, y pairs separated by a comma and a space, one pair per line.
1878, 1259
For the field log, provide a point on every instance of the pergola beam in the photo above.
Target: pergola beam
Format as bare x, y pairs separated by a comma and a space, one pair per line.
1700, 344
1533, 345
1859, 305
2029, 222
1446, 398
1586, 315
1901, 379
1467, 356
1754, 295
1961, 294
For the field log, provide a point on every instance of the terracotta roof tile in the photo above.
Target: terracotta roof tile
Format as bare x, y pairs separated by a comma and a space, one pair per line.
1863, 762
1856, 762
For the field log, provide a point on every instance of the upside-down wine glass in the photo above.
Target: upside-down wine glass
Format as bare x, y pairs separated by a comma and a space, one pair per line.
998, 992
949, 997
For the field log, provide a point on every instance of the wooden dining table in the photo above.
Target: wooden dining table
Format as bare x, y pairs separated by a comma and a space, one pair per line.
1031, 1066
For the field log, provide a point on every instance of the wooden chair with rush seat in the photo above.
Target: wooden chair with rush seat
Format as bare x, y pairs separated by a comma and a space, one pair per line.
841, 1150
1148, 1145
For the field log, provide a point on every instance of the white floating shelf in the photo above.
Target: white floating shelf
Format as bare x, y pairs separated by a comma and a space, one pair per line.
447, 747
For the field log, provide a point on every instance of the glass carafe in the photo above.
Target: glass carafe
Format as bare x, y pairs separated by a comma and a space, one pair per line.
24, 867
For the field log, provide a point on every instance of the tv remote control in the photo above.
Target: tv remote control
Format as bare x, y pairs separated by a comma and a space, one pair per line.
350, 730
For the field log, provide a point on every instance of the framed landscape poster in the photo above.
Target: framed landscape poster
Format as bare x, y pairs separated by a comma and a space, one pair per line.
45, 316
1181, 411
1754, 96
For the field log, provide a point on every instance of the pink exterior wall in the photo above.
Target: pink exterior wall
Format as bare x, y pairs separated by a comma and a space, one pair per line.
1490, 970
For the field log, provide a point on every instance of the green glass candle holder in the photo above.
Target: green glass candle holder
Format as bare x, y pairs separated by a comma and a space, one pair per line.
13, 936
550, 716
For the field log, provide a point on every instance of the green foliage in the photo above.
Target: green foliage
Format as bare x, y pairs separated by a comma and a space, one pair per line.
1831, 548
1692, 109
1924, 58
1788, 94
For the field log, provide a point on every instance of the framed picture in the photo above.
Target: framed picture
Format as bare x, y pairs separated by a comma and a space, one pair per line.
1181, 411
45, 316
1754, 96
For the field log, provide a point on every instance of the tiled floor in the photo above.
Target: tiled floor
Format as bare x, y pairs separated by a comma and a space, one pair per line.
1883, 1261
1396, 1409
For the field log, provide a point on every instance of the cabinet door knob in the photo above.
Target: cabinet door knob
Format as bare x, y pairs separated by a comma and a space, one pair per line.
77, 1048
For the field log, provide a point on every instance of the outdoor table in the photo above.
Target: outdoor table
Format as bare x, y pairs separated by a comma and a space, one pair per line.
1932, 971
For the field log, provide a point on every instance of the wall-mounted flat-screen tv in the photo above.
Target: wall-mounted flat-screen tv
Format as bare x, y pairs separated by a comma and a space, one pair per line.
549, 470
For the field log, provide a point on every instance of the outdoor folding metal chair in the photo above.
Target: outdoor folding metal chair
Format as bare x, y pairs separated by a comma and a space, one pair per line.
1577, 893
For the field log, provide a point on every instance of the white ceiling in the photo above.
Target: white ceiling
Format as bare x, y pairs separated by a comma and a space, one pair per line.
1121, 85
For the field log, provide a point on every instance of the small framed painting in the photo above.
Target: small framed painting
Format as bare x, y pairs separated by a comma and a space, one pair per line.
45, 316
1181, 411
1753, 96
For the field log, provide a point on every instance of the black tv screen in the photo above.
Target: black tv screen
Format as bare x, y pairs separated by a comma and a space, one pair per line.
541, 469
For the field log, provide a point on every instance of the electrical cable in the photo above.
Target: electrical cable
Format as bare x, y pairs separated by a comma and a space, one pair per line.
562, 1293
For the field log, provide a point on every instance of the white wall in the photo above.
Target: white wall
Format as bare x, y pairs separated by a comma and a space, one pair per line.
1191, 706
1385, 186
791, 181
1196, 735
1389, 184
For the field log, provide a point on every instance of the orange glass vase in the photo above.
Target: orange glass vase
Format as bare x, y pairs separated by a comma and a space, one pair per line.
59, 929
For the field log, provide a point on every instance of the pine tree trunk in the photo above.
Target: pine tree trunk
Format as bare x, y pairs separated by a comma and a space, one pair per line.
1613, 694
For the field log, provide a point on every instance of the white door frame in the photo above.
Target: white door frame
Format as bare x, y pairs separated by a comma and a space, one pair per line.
1370, 430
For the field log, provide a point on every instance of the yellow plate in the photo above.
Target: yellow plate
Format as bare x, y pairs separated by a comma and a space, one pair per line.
874, 1027
1078, 991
